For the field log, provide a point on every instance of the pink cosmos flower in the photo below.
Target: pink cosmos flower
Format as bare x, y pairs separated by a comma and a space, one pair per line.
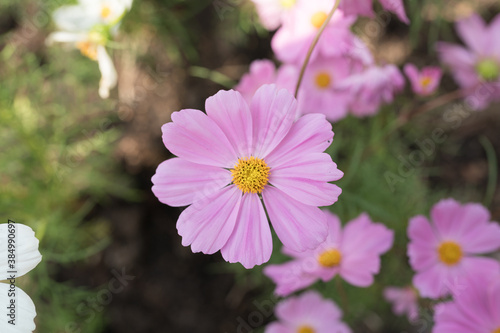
353, 253
477, 67
373, 87
365, 8
476, 309
424, 82
264, 72
404, 300
273, 12
292, 41
308, 313
319, 92
443, 252
236, 155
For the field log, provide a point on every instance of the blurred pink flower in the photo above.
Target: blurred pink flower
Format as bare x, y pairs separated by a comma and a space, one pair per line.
319, 92
443, 252
353, 253
476, 68
404, 301
373, 87
235, 154
292, 41
308, 313
265, 72
474, 310
365, 8
424, 82
273, 12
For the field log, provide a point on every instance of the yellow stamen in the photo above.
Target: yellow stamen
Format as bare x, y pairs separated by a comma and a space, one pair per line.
88, 49
250, 175
497, 330
322, 80
450, 253
105, 12
309, 329
318, 19
330, 258
425, 81
287, 3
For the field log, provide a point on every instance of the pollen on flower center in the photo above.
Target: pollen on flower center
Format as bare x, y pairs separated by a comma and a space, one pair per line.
250, 175
450, 253
497, 330
88, 49
425, 81
322, 80
105, 12
309, 329
318, 19
488, 69
287, 3
330, 258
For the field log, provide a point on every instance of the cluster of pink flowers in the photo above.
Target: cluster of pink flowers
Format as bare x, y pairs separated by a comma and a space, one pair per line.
256, 158
342, 76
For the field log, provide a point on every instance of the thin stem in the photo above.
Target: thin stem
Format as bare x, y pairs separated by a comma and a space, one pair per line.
435, 103
343, 295
313, 45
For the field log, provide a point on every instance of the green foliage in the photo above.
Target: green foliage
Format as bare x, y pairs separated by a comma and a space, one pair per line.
56, 163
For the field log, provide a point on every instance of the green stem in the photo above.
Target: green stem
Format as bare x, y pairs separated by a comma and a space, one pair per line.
313, 45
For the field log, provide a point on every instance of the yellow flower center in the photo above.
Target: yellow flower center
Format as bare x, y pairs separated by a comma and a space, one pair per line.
250, 174
322, 80
318, 19
497, 330
88, 49
488, 69
425, 81
450, 253
287, 3
309, 329
105, 12
330, 258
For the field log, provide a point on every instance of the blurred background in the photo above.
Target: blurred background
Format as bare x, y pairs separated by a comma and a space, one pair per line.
77, 168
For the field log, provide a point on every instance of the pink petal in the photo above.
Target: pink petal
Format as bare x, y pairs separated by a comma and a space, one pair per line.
289, 277
361, 235
230, 111
494, 302
445, 214
298, 226
334, 237
431, 282
455, 56
422, 257
273, 114
420, 232
314, 166
397, 7
472, 30
359, 270
178, 182
311, 133
197, 138
412, 72
206, 225
309, 192
449, 318
477, 234
251, 242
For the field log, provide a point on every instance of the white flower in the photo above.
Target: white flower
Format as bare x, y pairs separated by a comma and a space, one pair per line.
19, 308
88, 26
